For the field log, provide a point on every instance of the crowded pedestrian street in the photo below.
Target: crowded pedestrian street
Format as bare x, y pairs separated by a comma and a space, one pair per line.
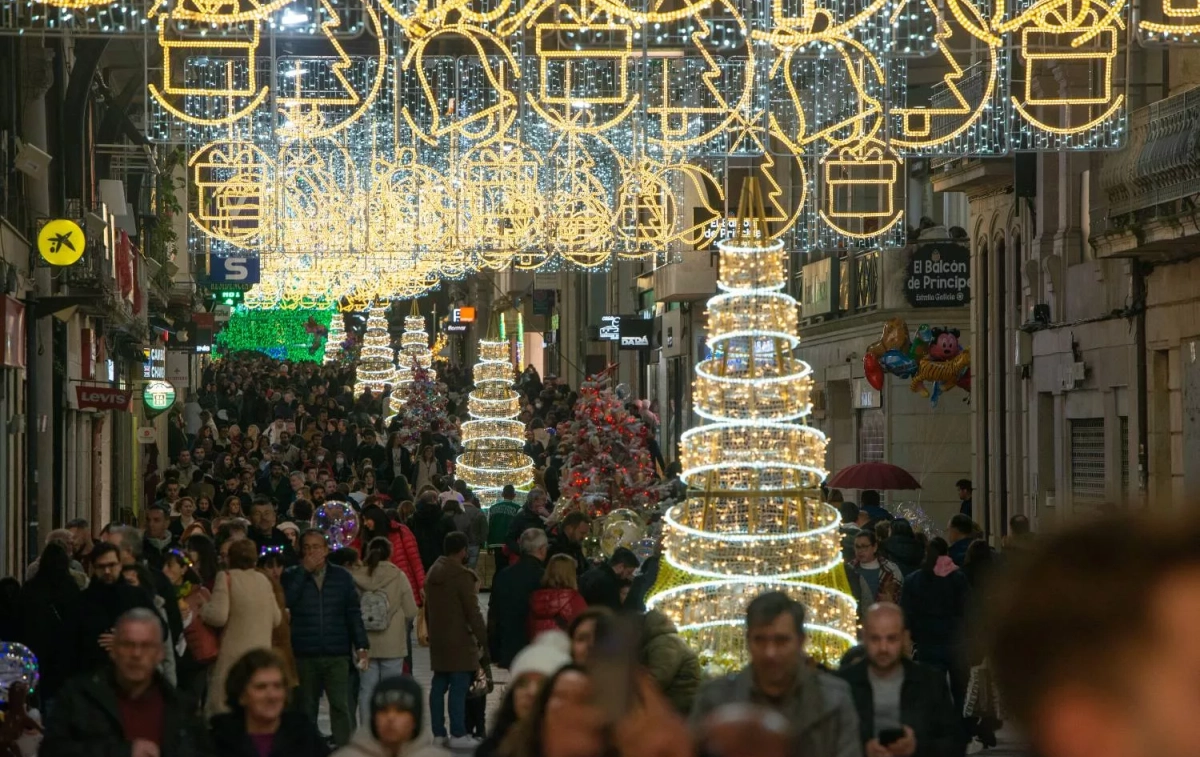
599, 378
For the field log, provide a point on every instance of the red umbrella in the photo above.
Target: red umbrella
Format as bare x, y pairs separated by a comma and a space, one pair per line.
880, 476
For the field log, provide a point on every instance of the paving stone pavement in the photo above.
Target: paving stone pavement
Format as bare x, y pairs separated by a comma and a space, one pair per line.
424, 675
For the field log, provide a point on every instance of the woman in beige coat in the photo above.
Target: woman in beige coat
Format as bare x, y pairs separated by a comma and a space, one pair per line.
243, 604
387, 604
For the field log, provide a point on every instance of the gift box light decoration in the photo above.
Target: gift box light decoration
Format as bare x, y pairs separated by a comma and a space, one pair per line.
416, 142
754, 520
376, 368
494, 440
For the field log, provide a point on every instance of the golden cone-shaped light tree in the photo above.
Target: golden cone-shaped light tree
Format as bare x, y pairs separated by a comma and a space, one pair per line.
414, 356
754, 520
494, 440
335, 338
376, 370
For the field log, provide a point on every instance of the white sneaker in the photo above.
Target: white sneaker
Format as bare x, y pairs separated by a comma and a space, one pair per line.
464, 742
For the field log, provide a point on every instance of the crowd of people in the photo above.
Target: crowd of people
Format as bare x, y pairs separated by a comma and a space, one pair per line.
220, 626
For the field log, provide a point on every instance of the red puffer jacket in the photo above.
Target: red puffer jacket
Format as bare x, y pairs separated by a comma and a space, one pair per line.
405, 556
553, 609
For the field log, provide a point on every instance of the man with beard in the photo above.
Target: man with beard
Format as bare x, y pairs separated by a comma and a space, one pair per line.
106, 598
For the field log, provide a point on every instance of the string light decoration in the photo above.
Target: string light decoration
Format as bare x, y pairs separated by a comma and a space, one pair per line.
494, 440
754, 520
335, 340
607, 463
414, 350
280, 334
424, 407
376, 368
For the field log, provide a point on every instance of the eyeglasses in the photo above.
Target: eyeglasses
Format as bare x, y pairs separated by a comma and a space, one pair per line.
106, 565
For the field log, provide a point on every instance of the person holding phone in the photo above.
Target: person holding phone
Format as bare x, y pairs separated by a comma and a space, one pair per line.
904, 708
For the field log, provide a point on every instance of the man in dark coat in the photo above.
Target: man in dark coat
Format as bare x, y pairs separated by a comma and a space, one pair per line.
532, 515
126, 708
263, 530
326, 625
568, 540
106, 598
508, 607
602, 584
894, 694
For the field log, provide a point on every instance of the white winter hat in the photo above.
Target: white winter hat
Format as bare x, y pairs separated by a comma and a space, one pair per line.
550, 651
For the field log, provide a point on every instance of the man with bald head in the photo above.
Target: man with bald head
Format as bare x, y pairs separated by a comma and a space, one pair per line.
904, 708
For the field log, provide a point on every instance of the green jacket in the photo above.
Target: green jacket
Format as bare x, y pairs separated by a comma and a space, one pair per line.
671, 662
500, 517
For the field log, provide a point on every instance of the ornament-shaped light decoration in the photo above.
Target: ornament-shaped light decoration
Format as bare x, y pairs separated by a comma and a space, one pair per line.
376, 371
754, 521
494, 440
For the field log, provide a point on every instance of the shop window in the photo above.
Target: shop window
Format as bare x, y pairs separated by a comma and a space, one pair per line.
1088, 484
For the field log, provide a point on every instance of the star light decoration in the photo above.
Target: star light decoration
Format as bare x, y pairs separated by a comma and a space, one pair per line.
754, 520
413, 142
494, 440
376, 370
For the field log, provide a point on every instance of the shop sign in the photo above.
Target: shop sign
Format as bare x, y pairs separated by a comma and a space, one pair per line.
155, 366
103, 398
61, 242
939, 275
460, 319
147, 435
158, 397
636, 333
610, 328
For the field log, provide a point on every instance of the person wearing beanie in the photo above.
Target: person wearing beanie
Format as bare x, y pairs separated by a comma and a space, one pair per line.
394, 729
532, 666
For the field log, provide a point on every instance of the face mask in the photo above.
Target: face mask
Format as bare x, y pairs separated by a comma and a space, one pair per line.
320, 458
341, 460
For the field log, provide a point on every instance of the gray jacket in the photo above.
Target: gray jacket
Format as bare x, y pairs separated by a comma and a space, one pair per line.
820, 710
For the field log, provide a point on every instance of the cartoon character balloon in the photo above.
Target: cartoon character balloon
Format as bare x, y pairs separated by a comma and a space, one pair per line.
338, 521
933, 357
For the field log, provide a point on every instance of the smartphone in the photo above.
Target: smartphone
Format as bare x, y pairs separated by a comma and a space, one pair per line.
890, 736
613, 666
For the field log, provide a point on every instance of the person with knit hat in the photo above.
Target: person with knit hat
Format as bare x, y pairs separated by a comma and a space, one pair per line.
530, 669
395, 726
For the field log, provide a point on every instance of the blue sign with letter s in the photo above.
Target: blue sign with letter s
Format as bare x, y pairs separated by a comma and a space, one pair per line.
233, 269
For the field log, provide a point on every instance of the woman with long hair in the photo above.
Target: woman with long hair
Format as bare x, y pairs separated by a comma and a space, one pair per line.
387, 603
528, 673
47, 612
202, 551
558, 601
233, 507
201, 642
243, 604
398, 459
184, 516
426, 468
258, 722
204, 508
569, 686
271, 563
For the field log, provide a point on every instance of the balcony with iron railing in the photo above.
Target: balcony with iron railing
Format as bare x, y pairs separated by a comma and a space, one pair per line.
1152, 184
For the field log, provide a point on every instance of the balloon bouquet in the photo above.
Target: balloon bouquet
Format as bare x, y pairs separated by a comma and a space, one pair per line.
933, 356
318, 333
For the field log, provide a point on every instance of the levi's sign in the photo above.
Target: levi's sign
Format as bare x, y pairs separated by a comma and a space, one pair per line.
103, 398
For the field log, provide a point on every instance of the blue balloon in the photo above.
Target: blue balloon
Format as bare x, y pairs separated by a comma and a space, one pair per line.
897, 363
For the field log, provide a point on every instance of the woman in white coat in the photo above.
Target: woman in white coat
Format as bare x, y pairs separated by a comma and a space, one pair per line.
243, 604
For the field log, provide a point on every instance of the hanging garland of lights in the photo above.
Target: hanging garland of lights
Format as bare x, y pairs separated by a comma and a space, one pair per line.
754, 520
282, 334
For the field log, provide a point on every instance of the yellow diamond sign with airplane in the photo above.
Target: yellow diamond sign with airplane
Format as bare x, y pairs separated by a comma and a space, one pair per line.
61, 242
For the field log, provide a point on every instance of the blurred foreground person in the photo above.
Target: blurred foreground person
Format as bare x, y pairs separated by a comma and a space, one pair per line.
780, 676
257, 723
745, 730
394, 729
1110, 677
904, 708
528, 672
126, 708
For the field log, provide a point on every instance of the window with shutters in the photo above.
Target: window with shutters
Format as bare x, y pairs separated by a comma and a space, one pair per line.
1087, 460
870, 435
